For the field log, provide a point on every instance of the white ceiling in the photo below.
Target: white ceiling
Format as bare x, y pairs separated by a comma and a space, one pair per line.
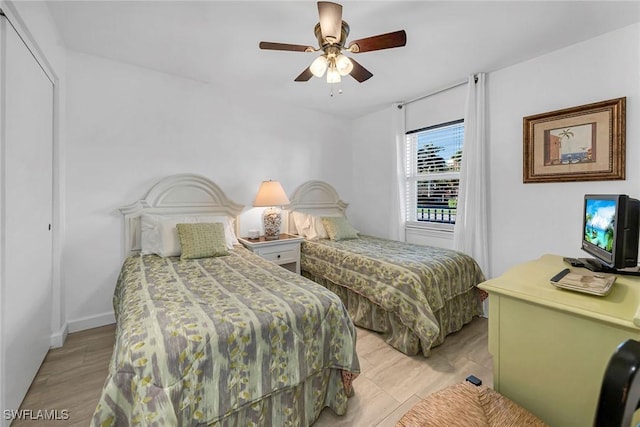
217, 41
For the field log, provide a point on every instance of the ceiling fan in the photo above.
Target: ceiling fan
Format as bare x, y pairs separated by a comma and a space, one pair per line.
332, 33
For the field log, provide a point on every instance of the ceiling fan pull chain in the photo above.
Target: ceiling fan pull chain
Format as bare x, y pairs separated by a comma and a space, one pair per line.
339, 89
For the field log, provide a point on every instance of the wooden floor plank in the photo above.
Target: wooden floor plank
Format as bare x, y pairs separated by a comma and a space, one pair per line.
71, 378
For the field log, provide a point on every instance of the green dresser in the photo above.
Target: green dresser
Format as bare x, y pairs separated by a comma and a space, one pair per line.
551, 346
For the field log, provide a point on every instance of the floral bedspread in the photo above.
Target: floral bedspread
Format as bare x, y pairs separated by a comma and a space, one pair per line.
412, 281
199, 340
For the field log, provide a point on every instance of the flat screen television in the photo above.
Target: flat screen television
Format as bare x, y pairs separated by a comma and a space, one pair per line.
610, 231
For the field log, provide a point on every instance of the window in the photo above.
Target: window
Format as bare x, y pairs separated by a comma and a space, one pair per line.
433, 157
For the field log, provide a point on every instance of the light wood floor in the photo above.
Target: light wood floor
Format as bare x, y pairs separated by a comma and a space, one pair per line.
72, 376
390, 382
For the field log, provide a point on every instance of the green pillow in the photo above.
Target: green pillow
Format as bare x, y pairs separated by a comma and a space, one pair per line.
338, 228
202, 240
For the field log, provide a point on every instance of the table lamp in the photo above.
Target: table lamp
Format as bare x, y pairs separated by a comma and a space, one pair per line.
271, 195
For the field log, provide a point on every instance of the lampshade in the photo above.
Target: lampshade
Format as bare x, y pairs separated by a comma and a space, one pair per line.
344, 65
270, 193
319, 66
335, 66
333, 76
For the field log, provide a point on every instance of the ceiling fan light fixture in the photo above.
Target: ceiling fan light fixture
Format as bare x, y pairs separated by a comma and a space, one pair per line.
319, 66
333, 76
343, 65
331, 33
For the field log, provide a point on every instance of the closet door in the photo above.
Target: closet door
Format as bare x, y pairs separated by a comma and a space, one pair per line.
27, 128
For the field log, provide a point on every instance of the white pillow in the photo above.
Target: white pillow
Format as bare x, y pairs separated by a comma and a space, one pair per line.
310, 226
159, 234
318, 227
302, 223
150, 234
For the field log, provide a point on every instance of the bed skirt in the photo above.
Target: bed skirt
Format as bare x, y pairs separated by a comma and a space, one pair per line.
455, 313
297, 406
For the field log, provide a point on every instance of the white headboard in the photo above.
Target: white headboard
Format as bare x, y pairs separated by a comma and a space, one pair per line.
316, 198
181, 194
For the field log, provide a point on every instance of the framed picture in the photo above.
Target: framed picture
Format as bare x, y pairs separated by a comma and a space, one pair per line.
585, 143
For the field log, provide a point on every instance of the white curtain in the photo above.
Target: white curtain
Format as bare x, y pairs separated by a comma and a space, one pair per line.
470, 232
398, 203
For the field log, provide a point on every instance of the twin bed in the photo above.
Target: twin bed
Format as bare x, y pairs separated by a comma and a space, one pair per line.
414, 295
221, 340
233, 339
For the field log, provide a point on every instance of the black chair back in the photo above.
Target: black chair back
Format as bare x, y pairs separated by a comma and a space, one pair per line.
620, 391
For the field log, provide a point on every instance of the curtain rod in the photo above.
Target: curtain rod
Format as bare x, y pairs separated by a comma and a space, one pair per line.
435, 92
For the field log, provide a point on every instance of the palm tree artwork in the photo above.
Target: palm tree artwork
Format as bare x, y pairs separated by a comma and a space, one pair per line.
576, 143
565, 134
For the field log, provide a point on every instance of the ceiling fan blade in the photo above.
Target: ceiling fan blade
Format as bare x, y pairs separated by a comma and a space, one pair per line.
304, 76
359, 72
382, 41
330, 21
286, 46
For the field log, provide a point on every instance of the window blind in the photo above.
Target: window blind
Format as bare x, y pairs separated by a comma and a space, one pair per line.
433, 158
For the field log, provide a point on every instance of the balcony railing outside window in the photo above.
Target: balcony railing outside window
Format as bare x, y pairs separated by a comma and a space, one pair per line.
436, 214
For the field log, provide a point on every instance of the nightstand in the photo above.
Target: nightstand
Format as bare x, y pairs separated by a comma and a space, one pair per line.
285, 251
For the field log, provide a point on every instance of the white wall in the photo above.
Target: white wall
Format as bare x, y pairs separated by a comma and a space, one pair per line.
372, 173
130, 127
526, 221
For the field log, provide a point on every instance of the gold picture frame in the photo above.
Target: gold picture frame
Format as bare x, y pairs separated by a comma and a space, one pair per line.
584, 143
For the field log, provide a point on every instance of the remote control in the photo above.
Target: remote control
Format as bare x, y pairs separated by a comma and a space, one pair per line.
557, 277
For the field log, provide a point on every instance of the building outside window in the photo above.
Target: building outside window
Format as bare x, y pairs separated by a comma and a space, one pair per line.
433, 157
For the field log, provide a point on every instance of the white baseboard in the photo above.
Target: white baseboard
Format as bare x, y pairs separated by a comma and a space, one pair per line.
91, 322
58, 338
